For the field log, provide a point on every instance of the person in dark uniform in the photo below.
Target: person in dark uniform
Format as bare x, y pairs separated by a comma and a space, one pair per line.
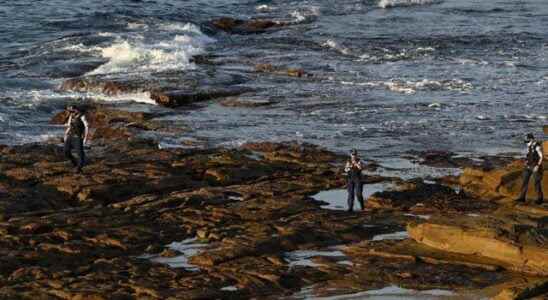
353, 169
534, 167
76, 135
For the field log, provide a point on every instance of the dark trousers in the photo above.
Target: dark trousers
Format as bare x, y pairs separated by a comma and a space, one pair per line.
355, 189
76, 143
538, 183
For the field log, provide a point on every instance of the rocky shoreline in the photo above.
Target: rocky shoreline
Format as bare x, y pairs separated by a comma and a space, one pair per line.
150, 223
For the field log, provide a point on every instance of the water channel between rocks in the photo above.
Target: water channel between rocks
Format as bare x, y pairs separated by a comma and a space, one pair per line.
337, 199
185, 248
387, 293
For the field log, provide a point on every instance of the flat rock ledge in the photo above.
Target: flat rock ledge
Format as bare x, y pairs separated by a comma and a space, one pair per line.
104, 234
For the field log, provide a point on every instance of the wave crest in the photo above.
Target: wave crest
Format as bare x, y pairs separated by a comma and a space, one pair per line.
135, 54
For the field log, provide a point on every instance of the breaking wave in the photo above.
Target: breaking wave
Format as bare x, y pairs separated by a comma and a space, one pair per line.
136, 54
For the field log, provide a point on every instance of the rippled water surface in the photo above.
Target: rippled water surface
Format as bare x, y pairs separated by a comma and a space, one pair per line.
389, 75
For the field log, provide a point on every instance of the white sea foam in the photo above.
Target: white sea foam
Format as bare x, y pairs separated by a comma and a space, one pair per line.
135, 54
143, 97
390, 55
335, 46
134, 25
398, 3
411, 87
306, 14
263, 8
105, 34
79, 48
187, 27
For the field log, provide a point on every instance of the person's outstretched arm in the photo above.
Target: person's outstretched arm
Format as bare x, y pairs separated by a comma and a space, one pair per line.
86, 129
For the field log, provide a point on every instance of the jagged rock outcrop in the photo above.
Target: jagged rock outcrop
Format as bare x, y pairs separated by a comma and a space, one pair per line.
176, 98
514, 245
111, 124
420, 197
240, 223
500, 184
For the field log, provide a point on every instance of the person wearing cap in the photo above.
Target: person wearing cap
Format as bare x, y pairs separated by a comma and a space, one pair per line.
534, 167
353, 169
76, 136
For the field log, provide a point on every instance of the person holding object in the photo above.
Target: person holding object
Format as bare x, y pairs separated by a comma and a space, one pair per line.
534, 167
353, 169
76, 136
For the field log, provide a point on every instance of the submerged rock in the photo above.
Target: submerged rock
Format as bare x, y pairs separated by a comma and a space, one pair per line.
292, 72
252, 26
170, 89
184, 97
247, 103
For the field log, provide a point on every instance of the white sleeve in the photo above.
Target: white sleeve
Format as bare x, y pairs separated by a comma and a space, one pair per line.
539, 151
85, 122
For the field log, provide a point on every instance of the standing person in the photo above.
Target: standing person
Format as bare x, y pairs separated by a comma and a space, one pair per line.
533, 167
353, 169
76, 136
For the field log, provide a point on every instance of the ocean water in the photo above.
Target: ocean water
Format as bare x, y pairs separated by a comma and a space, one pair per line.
389, 75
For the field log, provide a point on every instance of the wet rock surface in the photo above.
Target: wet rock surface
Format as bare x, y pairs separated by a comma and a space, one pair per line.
252, 26
107, 123
143, 222
167, 89
499, 184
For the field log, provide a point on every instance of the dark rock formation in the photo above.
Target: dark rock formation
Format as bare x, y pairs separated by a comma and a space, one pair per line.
253, 26
104, 233
501, 184
292, 72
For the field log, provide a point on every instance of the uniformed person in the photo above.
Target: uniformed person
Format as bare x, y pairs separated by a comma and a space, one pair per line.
353, 169
76, 136
534, 167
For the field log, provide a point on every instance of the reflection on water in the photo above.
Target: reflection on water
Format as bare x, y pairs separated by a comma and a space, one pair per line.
387, 293
337, 198
400, 235
304, 257
186, 248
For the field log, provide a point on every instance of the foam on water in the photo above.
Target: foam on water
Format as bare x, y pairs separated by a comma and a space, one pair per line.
263, 8
305, 14
142, 97
398, 3
136, 53
188, 27
36, 97
411, 87
335, 46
